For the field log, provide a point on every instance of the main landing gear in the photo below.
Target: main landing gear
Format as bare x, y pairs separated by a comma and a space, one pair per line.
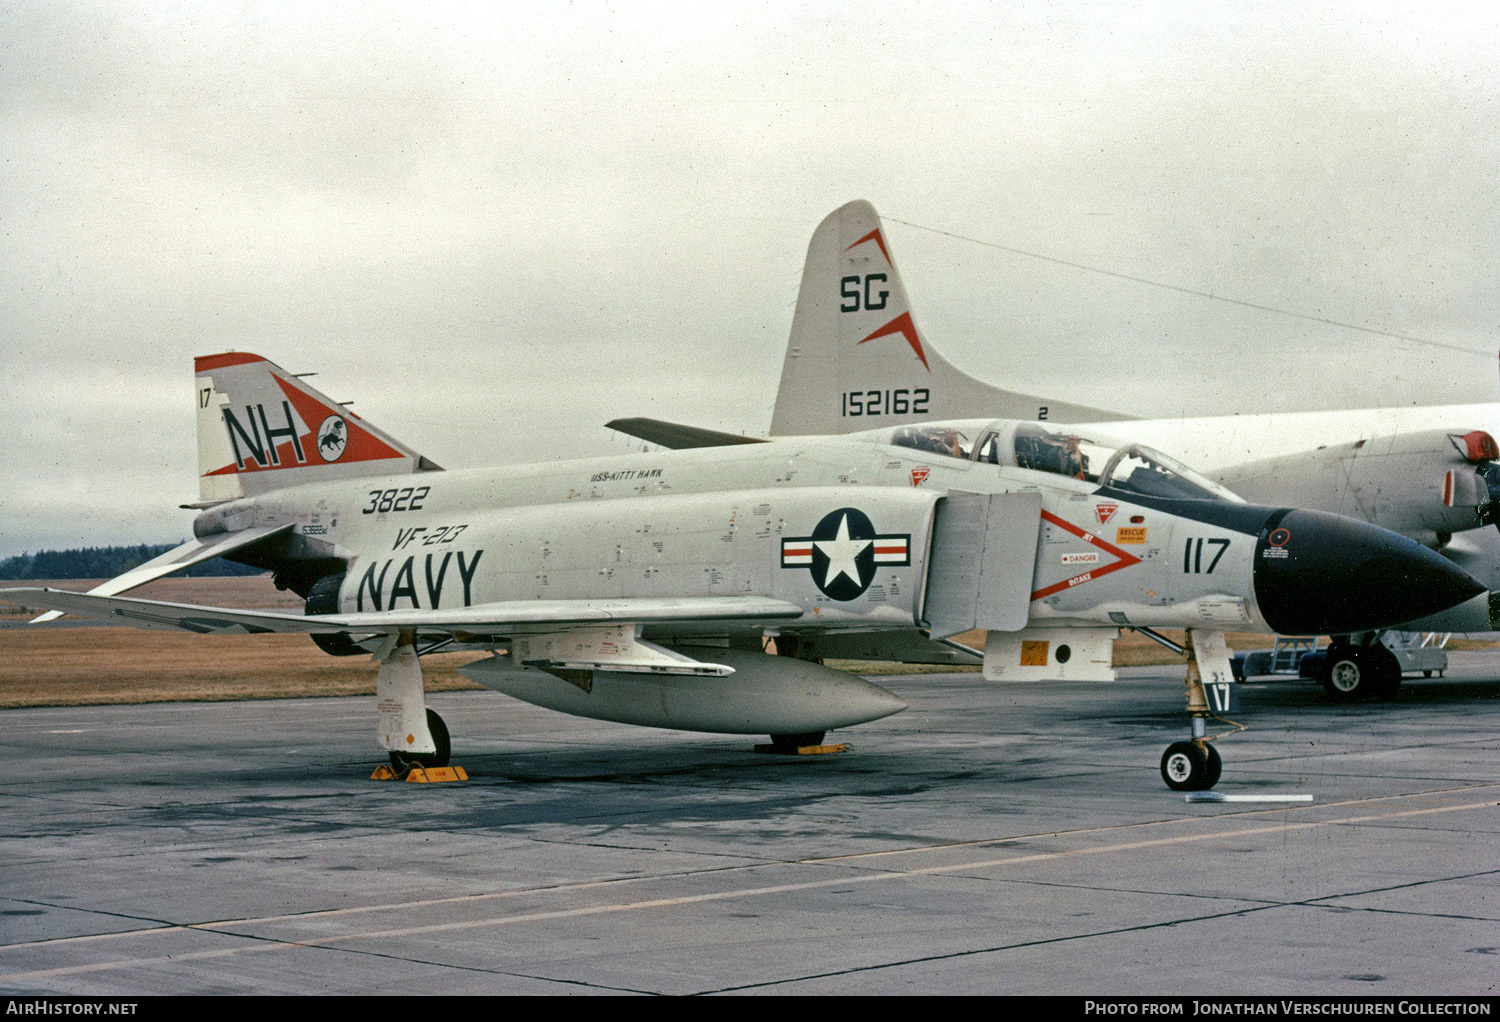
1357, 670
1195, 765
411, 734
402, 761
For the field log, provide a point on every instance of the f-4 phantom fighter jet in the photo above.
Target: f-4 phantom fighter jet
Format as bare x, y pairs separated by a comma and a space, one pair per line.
856, 359
643, 588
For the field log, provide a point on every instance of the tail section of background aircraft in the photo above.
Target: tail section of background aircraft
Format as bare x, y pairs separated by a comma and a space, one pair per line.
856, 359
261, 428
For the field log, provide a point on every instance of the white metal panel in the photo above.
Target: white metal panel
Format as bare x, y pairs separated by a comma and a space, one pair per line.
983, 553
1050, 654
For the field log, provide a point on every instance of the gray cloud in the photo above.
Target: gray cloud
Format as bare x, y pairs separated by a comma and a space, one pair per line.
496, 231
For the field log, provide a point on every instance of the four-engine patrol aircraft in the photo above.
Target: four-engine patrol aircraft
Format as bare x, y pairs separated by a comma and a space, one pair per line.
642, 588
856, 359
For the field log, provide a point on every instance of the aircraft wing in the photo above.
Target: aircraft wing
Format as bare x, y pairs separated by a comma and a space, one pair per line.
192, 552
490, 619
676, 436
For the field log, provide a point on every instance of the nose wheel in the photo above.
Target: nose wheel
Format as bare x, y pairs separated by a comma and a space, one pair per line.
1189, 766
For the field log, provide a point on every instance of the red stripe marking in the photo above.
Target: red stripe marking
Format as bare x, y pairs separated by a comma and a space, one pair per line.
904, 326
879, 240
891, 549
362, 445
1125, 559
207, 363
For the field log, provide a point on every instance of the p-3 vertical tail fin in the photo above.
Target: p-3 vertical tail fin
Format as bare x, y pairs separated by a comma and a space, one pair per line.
856, 359
261, 428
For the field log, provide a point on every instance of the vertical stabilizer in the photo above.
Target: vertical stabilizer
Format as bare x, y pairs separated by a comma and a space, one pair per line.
856, 359
261, 428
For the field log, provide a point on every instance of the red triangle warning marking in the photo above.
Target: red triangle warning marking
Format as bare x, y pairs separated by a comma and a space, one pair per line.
1125, 559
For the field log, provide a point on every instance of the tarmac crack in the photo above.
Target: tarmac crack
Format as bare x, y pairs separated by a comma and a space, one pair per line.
411, 960
1314, 903
970, 952
753, 860
1397, 887
873, 876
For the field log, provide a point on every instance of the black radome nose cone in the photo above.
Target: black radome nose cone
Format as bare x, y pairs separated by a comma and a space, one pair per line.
1323, 574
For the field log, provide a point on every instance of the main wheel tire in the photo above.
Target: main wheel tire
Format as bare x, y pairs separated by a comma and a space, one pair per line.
1215, 767
1347, 674
1387, 672
1184, 767
401, 762
789, 743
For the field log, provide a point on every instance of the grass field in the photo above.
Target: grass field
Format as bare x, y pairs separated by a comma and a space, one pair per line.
76, 666
82, 666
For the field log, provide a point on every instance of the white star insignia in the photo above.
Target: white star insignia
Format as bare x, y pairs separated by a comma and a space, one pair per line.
842, 551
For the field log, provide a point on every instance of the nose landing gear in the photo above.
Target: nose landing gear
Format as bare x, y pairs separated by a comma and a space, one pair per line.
1195, 765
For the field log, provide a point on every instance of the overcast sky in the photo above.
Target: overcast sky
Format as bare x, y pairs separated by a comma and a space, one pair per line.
495, 227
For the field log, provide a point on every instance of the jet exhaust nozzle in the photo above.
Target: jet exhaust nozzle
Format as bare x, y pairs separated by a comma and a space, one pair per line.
1317, 573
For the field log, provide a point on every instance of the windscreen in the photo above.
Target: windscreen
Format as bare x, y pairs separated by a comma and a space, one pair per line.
1131, 468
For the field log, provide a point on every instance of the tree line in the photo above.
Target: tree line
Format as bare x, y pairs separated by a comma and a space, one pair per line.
106, 562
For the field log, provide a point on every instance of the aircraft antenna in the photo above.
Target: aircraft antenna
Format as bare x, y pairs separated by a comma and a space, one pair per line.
1191, 291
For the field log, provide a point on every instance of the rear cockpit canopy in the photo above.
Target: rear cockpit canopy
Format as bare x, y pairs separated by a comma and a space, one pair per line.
945, 440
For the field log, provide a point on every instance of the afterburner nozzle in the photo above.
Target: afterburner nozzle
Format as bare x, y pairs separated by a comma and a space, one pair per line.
1322, 574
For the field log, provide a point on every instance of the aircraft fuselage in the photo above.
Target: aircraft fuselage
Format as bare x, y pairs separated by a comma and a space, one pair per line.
844, 529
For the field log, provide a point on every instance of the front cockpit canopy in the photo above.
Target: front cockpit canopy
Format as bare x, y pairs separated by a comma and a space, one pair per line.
1063, 451
1129, 468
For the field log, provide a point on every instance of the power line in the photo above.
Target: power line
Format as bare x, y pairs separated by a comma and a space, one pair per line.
1191, 291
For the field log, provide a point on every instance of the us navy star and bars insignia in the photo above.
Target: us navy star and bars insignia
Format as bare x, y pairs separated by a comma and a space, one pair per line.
843, 552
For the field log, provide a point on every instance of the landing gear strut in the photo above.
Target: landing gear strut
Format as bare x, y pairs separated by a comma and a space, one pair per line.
413, 735
1196, 765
